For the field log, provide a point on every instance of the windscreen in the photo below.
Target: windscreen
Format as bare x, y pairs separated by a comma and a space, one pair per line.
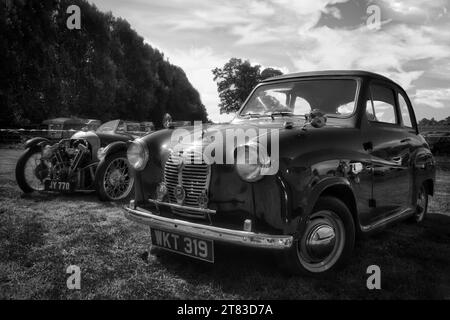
334, 97
109, 126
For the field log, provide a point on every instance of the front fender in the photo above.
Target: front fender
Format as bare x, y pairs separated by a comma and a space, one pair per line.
339, 187
115, 147
35, 142
320, 188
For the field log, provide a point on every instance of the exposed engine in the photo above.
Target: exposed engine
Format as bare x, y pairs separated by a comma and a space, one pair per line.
69, 160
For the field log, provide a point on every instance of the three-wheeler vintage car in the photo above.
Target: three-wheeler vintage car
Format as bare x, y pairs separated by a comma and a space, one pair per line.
87, 161
343, 157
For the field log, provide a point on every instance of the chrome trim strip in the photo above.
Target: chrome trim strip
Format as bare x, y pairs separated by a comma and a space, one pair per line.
181, 207
250, 239
400, 215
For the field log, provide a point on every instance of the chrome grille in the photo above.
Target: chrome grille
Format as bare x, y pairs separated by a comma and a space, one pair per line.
192, 175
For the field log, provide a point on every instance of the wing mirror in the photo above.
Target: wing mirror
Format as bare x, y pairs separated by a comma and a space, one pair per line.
317, 118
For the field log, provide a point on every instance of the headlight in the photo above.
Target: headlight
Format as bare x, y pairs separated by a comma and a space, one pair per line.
137, 154
250, 164
101, 154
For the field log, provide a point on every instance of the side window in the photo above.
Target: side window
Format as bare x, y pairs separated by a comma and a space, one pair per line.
383, 104
301, 106
404, 111
121, 127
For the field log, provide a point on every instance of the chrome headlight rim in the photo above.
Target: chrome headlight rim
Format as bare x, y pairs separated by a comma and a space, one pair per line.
257, 173
143, 154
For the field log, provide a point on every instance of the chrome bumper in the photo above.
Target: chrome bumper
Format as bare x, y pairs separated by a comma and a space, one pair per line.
249, 239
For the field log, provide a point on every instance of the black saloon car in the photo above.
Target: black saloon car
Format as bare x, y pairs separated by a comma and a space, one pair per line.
349, 161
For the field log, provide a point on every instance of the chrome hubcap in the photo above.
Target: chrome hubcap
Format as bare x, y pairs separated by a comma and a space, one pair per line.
320, 242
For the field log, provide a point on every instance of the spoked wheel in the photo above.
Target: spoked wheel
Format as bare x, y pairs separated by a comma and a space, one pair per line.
325, 243
421, 205
31, 171
113, 179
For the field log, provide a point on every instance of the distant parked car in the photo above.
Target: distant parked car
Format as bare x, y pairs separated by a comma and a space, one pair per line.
356, 165
87, 161
439, 142
59, 127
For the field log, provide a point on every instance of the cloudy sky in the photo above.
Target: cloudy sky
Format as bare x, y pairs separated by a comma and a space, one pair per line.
412, 44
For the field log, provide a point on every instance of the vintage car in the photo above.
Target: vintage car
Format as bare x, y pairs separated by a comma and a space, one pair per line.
439, 142
60, 128
354, 164
87, 161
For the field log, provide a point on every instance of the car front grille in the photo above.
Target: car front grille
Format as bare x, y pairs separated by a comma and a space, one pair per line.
192, 175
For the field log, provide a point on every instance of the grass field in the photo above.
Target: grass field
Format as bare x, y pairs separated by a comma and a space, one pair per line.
42, 234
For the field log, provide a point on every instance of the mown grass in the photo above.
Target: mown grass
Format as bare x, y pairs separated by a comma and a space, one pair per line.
42, 234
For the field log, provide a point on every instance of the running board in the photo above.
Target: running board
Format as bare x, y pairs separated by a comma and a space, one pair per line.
385, 221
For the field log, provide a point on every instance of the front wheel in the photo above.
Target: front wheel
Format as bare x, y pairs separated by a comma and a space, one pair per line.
326, 242
31, 171
113, 178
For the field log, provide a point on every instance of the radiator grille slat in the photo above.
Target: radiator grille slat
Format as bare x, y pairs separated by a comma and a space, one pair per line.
193, 177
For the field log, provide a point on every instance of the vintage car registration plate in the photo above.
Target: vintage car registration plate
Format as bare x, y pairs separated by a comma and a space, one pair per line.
198, 248
56, 185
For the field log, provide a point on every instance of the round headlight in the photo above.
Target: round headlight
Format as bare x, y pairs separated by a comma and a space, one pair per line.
249, 164
137, 154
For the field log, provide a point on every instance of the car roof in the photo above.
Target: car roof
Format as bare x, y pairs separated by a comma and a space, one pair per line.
328, 73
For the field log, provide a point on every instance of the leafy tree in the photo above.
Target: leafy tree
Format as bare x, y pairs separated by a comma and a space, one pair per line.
236, 79
269, 73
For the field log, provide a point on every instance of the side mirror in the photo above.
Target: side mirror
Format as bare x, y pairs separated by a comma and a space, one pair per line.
316, 118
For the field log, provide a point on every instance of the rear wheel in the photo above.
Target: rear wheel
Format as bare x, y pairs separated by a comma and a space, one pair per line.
326, 242
113, 178
421, 204
31, 171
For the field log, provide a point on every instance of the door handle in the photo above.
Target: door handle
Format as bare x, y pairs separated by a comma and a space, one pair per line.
397, 160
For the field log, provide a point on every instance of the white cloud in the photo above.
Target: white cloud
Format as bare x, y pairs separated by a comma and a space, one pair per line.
418, 9
385, 51
435, 98
201, 35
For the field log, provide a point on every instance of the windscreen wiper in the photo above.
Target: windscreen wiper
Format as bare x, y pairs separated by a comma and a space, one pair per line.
281, 113
255, 115
252, 115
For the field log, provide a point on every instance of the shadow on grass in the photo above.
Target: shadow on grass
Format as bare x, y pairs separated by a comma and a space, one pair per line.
89, 197
414, 262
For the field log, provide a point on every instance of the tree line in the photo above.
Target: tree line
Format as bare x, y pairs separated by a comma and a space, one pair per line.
102, 71
433, 122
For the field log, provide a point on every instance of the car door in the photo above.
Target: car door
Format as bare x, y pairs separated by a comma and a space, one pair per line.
390, 153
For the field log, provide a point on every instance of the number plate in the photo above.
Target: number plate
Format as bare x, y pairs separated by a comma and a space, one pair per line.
55, 185
198, 248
